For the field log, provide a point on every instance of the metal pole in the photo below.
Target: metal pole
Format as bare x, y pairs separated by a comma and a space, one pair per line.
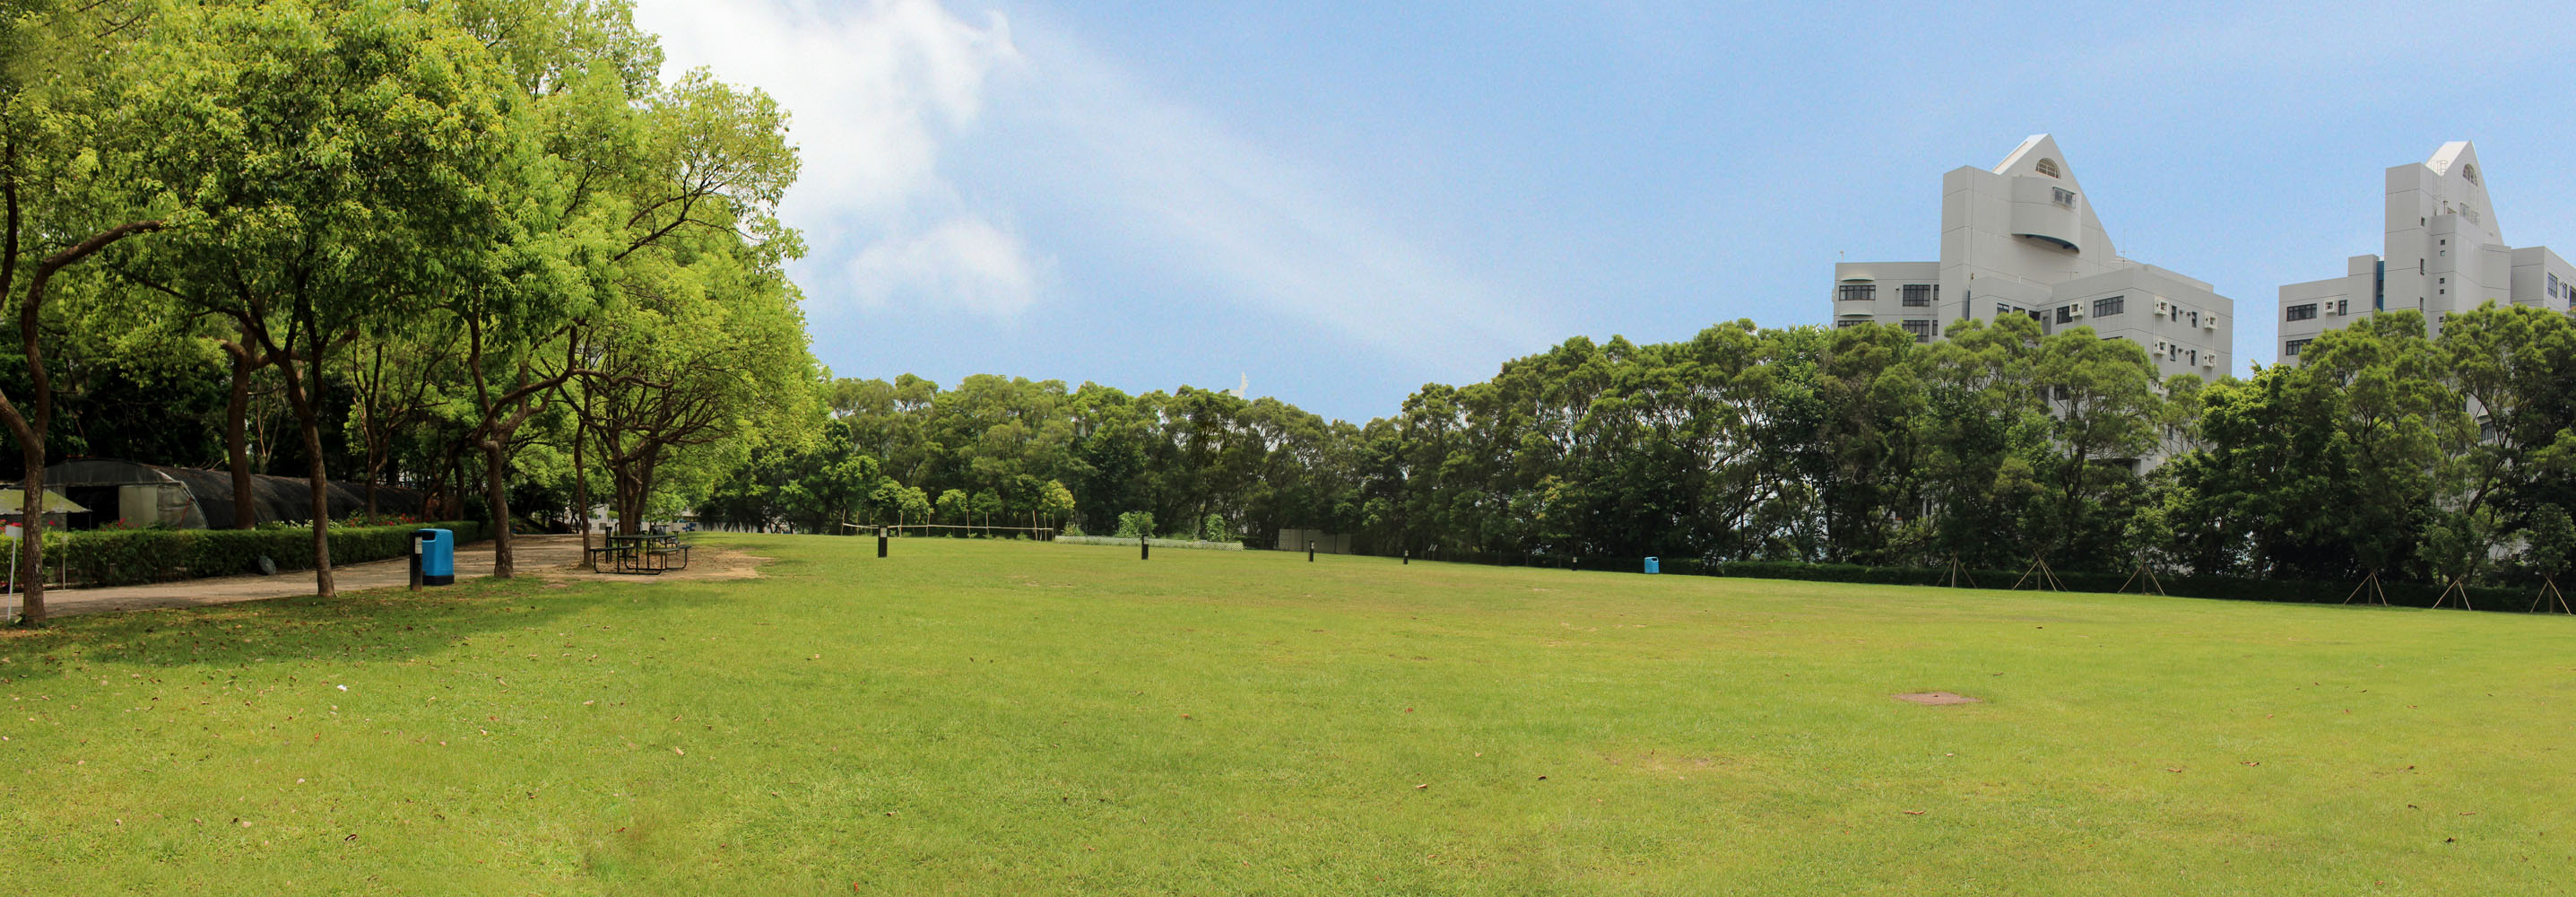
1310, 551
415, 561
1144, 548
881, 541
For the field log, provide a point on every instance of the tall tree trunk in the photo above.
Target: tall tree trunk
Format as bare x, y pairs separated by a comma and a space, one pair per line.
237, 437
497, 489
581, 480
307, 401
31, 539
31, 428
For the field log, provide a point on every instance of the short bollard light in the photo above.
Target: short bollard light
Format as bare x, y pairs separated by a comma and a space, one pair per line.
1310, 551
881, 541
1144, 548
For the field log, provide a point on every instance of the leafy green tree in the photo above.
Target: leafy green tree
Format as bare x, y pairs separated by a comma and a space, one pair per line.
65, 146
333, 158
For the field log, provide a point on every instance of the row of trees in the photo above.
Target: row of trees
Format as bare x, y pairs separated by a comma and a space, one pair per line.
456, 244
2389, 451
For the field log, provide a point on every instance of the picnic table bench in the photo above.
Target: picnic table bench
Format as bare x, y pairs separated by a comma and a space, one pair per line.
651, 554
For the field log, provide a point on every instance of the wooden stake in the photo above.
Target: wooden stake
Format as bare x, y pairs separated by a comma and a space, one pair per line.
2370, 583
2548, 591
2047, 577
2145, 577
1959, 571
2456, 585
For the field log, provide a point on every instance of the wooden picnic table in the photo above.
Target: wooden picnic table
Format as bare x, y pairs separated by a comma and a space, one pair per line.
651, 554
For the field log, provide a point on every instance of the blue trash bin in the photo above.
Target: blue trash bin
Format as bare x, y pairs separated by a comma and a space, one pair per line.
435, 551
1654, 565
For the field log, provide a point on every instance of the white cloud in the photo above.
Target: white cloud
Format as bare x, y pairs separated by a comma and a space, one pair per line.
1277, 234
878, 91
966, 262
883, 90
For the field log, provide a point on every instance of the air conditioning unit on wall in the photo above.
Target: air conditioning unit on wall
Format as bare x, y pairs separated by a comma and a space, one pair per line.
2163, 308
2210, 360
2209, 322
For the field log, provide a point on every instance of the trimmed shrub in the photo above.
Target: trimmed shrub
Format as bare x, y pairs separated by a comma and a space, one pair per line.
130, 557
2228, 588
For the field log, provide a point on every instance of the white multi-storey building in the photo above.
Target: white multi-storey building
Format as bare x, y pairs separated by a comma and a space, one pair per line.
2444, 254
2021, 239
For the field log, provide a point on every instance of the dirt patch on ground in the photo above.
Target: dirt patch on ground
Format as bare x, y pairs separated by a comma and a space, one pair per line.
706, 562
553, 557
1936, 697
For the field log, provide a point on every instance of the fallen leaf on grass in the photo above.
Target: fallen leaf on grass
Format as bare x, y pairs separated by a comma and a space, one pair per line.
1422, 786
679, 752
2253, 762
2173, 769
1913, 812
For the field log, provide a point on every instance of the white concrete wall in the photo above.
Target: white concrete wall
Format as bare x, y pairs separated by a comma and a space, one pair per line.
2008, 242
2445, 254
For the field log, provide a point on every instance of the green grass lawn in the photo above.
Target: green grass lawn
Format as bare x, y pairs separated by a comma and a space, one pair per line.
1012, 718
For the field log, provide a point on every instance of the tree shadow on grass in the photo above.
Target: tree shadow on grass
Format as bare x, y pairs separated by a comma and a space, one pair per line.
377, 626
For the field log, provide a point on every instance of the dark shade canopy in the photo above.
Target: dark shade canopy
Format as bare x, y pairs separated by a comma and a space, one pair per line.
193, 498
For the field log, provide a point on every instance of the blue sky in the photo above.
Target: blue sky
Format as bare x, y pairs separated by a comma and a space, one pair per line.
1343, 201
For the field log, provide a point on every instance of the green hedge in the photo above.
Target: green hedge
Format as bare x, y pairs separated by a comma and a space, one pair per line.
2400, 593
129, 557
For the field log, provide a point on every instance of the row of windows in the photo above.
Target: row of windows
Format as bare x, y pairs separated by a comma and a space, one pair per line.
1923, 330
1914, 295
2291, 349
2303, 312
2103, 308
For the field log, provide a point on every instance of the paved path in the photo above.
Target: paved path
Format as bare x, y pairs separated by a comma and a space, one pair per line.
535, 555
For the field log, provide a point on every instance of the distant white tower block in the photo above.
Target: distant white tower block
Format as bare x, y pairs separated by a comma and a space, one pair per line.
2022, 239
2444, 254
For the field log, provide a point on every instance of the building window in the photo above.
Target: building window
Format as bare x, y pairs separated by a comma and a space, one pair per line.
2195, 319
2291, 348
2343, 306
2303, 312
2191, 356
2066, 314
2047, 167
2060, 393
2002, 310
2062, 196
1919, 295
1922, 330
1850, 323
2103, 308
1859, 292
2553, 286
